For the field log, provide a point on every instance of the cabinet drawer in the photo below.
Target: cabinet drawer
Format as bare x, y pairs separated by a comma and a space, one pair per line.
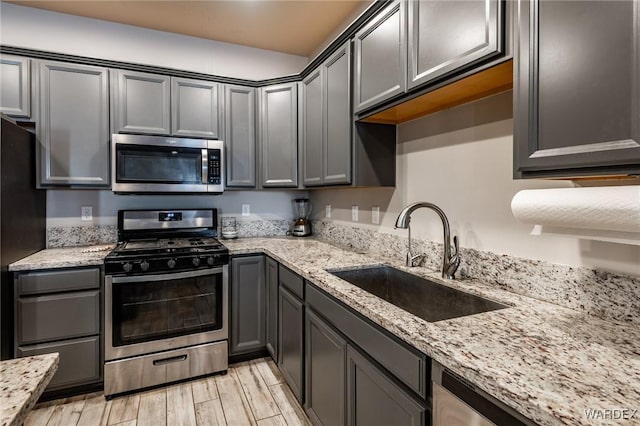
59, 316
55, 281
406, 364
79, 360
291, 281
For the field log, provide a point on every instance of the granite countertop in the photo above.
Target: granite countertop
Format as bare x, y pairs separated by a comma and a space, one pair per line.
22, 381
68, 257
550, 363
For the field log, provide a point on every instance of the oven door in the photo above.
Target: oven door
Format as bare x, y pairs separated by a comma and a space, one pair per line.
152, 313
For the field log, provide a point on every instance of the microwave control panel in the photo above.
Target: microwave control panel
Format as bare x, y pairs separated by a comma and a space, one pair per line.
215, 176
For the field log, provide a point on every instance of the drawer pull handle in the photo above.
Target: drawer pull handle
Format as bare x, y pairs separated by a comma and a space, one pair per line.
170, 360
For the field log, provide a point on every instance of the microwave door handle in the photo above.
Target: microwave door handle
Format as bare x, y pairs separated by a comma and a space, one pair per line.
205, 166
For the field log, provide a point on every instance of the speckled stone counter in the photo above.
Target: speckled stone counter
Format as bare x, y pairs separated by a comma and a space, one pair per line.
550, 363
63, 258
22, 381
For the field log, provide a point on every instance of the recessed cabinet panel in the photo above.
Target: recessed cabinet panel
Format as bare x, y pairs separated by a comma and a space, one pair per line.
381, 58
15, 94
248, 304
240, 138
272, 307
291, 341
194, 108
73, 126
142, 103
279, 135
444, 36
577, 88
312, 123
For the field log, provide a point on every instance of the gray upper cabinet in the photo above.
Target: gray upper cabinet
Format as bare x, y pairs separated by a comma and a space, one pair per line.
141, 103
240, 136
15, 84
381, 57
311, 128
444, 36
577, 89
194, 108
73, 120
279, 135
326, 121
248, 305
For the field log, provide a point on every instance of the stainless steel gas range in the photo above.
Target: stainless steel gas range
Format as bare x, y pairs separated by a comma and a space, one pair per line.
166, 299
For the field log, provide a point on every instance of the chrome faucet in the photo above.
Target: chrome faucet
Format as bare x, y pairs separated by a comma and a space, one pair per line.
450, 262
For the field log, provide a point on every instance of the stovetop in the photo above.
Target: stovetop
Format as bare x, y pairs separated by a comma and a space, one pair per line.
160, 245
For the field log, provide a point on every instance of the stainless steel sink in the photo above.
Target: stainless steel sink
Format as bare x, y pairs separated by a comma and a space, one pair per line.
424, 298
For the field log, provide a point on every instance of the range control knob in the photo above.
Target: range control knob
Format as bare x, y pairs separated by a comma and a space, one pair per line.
210, 260
127, 267
195, 261
144, 265
171, 263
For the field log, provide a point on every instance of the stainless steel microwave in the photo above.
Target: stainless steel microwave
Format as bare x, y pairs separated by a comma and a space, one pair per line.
162, 164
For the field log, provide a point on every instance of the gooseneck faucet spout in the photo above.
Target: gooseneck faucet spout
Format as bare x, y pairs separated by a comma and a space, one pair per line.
450, 262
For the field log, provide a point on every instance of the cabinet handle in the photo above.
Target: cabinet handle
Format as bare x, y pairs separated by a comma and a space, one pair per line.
170, 360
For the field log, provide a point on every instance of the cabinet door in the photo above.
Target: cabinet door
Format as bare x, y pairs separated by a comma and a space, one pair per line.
381, 57
325, 372
194, 108
279, 135
73, 129
373, 399
142, 103
336, 153
15, 96
248, 303
312, 123
577, 88
272, 307
240, 138
444, 36
291, 341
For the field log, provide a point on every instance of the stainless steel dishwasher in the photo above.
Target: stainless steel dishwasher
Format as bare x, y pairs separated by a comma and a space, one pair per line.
458, 403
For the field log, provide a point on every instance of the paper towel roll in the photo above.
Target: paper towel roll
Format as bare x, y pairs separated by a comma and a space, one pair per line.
613, 208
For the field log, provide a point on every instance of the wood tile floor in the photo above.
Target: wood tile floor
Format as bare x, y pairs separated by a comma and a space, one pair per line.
251, 393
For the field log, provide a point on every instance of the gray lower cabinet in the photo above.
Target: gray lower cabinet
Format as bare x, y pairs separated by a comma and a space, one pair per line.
240, 136
73, 125
272, 307
374, 399
141, 103
576, 89
279, 136
444, 36
291, 338
15, 86
60, 310
248, 305
380, 56
194, 108
325, 370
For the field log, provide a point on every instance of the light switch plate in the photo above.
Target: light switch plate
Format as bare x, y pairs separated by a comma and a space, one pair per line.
246, 210
354, 213
86, 213
375, 215
327, 211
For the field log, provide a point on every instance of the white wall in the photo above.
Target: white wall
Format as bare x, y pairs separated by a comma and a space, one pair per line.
57, 32
461, 160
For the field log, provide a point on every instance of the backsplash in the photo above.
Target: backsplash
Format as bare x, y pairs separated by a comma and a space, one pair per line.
605, 295
69, 236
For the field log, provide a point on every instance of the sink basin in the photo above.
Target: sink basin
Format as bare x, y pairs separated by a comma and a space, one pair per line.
421, 297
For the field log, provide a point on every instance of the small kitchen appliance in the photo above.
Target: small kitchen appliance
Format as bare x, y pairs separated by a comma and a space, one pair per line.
166, 299
302, 210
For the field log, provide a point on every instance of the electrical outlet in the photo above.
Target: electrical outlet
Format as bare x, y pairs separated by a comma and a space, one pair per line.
86, 213
246, 210
327, 211
354, 213
375, 215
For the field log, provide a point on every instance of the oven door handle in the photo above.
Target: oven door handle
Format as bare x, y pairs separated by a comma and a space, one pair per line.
165, 276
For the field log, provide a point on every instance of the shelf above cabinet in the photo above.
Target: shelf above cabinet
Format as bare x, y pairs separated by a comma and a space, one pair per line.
487, 82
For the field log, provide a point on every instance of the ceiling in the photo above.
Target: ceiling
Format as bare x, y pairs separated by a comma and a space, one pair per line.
297, 27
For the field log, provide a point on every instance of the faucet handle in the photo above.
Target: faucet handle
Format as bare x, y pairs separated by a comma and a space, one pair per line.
453, 261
